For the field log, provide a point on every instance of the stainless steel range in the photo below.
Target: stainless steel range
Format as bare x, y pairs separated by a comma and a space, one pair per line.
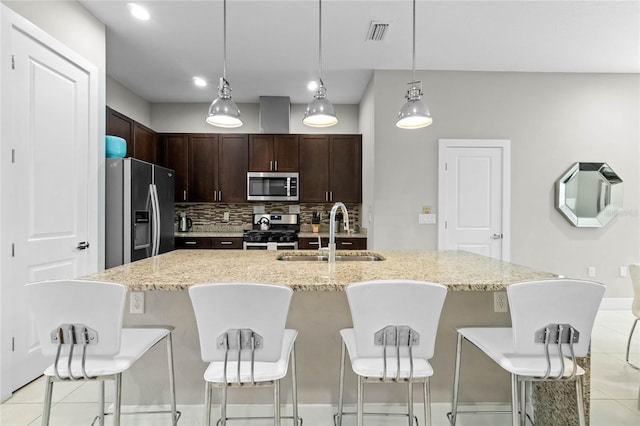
273, 231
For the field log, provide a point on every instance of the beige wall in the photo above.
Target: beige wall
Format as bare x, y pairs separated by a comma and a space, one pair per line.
189, 118
123, 100
552, 120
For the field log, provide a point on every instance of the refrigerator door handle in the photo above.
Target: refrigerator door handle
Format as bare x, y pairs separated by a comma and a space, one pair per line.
155, 217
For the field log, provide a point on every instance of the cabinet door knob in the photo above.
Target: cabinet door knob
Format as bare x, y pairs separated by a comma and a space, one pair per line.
271, 165
184, 195
276, 165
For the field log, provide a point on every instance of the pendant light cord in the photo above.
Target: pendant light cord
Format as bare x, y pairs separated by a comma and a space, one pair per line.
413, 63
224, 40
320, 40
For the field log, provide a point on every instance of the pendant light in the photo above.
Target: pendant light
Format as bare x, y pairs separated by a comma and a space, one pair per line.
414, 114
223, 112
320, 111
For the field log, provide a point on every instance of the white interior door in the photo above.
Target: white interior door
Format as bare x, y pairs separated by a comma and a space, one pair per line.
474, 197
51, 126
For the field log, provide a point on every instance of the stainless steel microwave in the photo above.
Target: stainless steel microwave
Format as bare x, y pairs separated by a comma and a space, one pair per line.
272, 186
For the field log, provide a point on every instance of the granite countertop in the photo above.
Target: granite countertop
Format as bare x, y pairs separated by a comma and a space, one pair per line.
177, 270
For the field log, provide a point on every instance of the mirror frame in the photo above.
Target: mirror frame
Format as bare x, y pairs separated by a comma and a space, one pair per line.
605, 215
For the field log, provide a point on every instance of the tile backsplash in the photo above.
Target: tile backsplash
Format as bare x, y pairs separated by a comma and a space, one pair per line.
205, 215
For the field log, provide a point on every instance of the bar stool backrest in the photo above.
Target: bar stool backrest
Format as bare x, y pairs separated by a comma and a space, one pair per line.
536, 304
97, 305
377, 304
220, 307
634, 272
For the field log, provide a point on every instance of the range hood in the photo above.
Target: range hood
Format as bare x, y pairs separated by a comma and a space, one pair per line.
274, 114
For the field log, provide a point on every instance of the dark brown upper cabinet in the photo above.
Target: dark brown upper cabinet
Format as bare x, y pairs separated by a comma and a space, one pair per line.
273, 153
330, 168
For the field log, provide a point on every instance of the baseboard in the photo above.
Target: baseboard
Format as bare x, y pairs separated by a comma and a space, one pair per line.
322, 414
616, 303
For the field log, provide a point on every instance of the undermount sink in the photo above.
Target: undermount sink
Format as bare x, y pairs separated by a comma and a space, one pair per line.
372, 257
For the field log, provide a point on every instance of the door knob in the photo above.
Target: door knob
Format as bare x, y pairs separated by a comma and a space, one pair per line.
83, 245
496, 236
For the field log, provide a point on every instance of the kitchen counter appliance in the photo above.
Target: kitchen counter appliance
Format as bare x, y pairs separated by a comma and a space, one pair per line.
282, 232
139, 210
272, 186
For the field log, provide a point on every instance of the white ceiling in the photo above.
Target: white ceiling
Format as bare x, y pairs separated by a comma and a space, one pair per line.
272, 46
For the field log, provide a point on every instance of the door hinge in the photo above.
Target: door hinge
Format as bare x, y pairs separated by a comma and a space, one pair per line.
13, 249
446, 167
13, 344
13, 62
445, 224
13, 156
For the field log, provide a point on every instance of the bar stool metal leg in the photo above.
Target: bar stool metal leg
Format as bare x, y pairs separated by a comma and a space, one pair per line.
633, 327
456, 381
294, 387
118, 402
580, 401
172, 382
341, 390
101, 402
48, 392
427, 402
223, 406
207, 404
410, 402
523, 403
515, 421
276, 402
360, 400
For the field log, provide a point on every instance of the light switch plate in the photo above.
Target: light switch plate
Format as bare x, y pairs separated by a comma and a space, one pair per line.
426, 218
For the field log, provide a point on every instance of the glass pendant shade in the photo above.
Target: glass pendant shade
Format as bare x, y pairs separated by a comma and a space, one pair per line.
223, 112
414, 114
320, 112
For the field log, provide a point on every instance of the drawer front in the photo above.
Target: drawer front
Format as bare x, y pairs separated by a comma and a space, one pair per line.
351, 243
193, 243
226, 243
341, 243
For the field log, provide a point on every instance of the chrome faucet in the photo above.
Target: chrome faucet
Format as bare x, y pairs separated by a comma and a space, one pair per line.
332, 228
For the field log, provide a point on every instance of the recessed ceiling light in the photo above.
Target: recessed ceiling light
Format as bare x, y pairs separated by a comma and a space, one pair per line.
199, 81
139, 12
313, 85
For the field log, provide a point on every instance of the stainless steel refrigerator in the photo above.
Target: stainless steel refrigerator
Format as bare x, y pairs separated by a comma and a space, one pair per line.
139, 210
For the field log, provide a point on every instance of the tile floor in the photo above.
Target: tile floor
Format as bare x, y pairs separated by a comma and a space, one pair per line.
615, 390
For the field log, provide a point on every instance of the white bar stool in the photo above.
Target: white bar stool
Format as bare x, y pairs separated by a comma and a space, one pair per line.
80, 323
392, 339
551, 326
242, 334
634, 272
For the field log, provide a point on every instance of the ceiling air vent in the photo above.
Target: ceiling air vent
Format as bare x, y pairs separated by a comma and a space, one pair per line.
377, 30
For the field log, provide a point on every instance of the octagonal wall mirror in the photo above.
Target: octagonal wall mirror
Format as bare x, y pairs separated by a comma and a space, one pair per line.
589, 194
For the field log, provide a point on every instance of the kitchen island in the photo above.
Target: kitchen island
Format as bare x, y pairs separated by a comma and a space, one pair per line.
319, 310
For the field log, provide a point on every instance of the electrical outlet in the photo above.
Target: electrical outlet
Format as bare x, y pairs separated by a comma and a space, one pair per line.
624, 271
136, 302
591, 271
226, 216
500, 303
